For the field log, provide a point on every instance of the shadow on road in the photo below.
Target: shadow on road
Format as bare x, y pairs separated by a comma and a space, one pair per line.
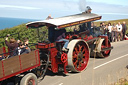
50, 73
97, 57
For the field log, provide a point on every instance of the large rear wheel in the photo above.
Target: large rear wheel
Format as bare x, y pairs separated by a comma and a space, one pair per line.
78, 55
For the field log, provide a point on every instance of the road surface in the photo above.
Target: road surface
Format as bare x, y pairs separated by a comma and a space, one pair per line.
100, 71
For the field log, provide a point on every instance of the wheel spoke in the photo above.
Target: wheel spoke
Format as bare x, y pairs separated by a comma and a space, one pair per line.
76, 50
80, 47
84, 54
83, 51
80, 64
75, 62
74, 55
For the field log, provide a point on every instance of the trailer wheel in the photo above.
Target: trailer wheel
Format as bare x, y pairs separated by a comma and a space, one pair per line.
78, 55
29, 79
102, 46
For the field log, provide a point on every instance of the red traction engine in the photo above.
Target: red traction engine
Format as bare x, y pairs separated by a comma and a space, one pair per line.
49, 53
80, 47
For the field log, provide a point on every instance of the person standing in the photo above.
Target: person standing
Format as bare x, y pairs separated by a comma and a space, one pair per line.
110, 32
95, 30
119, 31
102, 27
114, 32
106, 30
124, 29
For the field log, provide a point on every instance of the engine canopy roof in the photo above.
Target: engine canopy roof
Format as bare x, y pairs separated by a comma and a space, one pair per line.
66, 21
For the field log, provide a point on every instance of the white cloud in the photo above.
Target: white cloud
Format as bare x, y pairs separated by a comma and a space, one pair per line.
18, 7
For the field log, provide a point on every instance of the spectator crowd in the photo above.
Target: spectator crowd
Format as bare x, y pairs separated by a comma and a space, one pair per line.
15, 47
115, 31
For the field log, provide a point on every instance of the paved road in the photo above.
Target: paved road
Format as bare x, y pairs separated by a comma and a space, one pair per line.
99, 71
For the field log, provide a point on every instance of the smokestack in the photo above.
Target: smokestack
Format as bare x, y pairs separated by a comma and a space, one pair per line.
82, 5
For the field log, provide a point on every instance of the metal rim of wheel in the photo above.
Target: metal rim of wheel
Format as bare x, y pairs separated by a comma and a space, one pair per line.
78, 55
31, 82
29, 79
106, 53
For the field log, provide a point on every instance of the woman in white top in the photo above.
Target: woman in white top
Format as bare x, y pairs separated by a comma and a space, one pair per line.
110, 31
119, 31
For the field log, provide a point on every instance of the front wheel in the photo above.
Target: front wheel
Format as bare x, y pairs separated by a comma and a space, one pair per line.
78, 55
29, 79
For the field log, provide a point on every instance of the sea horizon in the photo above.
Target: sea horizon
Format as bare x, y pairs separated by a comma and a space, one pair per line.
8, 22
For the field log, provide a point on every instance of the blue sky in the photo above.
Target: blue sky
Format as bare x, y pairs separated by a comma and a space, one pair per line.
40, 9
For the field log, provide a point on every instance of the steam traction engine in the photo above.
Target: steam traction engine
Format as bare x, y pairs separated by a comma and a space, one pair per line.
80, 47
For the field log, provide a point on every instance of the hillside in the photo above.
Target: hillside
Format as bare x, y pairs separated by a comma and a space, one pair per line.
23, 32
112, 21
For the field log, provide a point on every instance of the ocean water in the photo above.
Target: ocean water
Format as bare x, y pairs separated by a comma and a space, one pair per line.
11, 22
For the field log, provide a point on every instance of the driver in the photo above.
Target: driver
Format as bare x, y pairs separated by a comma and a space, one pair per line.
60, 36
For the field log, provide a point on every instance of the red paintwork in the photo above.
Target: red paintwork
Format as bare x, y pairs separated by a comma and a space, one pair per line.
54, 60
44, 45
35, 57
125, 38
22, 70
3, 68
64, 57
4, 51
20, 63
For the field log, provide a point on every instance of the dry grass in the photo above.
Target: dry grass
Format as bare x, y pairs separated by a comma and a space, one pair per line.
112, 21
119, 77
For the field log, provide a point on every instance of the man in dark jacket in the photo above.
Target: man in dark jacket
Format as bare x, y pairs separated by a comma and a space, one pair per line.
124, 29
12, 44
